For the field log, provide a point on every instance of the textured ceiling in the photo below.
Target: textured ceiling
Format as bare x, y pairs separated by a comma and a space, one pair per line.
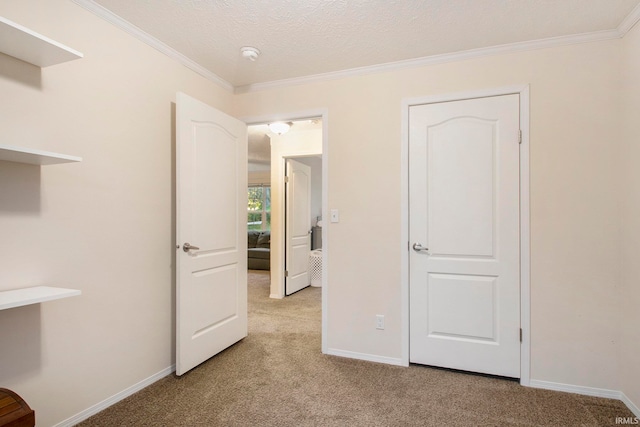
307, 37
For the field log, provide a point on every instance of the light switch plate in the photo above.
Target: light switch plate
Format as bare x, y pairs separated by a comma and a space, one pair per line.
335, 215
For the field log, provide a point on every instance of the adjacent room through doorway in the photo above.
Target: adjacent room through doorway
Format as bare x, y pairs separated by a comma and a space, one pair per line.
284, 217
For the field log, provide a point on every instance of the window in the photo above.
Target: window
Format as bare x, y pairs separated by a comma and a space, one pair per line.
259, 208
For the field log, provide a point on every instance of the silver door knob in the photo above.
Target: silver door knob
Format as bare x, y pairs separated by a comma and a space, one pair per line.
187, 247
419, 248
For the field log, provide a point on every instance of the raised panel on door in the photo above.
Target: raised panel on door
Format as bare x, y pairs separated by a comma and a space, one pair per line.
462, 307
464, 207
215, 159
461, 187
214, 297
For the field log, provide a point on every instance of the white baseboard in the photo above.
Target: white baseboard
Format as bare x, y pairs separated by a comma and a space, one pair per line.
577, 389
632, 406
365, 356
587, 391
115, 398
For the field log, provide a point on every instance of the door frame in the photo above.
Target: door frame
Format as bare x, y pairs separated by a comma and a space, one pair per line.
525, 250
277, 275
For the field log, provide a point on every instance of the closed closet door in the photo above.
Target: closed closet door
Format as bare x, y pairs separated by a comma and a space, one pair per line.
464, 231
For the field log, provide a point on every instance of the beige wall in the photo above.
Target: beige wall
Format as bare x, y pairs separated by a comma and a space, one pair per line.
103, 226
575, 124
630, 339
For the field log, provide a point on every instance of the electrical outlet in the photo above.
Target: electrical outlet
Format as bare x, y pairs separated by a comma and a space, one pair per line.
379, 321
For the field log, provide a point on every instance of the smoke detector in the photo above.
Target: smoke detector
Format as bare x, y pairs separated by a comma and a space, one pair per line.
250, 53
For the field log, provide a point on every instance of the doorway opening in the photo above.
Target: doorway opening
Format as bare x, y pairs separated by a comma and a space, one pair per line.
268, 153
271, 157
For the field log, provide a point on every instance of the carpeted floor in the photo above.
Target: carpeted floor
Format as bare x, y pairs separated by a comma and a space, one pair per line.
277, 376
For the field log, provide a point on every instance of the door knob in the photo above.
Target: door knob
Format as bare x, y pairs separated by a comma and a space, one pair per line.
187, 247
419, 248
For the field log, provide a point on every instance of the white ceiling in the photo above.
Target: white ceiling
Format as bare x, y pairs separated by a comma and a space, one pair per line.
308, 37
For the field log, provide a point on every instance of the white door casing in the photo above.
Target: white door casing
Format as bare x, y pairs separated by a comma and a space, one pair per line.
211, 203
464, 290
298, 225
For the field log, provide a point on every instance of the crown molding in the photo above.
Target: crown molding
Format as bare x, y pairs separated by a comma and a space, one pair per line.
436, 59
136, 32
632, 19
625, 26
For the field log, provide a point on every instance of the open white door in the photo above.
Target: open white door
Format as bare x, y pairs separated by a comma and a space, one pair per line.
298, 226
211, 187
464, 229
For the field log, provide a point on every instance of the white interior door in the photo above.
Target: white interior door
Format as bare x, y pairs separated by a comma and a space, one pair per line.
298, 226
211, 277
464, 229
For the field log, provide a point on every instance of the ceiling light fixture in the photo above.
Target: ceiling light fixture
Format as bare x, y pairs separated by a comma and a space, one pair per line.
279, 127
250, 53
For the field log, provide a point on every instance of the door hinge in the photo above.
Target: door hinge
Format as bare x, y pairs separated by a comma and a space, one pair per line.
286, 179
286, 273
520, 334
520, 136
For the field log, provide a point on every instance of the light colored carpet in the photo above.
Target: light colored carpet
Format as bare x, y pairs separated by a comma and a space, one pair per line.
277, 376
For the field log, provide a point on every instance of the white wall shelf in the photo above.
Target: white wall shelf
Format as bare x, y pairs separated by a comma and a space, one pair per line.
34, 157
34, 295
29, 46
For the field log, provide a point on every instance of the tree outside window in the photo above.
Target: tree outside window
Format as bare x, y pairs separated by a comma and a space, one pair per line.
259, 208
